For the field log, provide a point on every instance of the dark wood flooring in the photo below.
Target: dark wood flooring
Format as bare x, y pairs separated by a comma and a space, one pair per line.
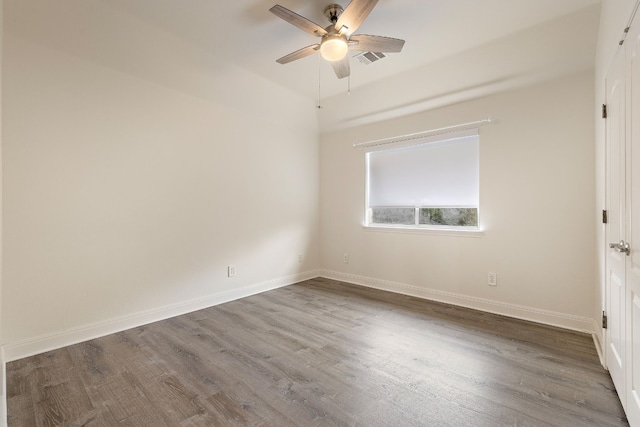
320, 353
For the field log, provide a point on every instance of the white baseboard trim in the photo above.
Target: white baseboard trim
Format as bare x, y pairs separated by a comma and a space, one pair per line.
52, 341
546, 317
25, 348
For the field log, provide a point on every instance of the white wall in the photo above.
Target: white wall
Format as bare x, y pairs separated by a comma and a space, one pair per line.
536, 207
129, 189
614, 18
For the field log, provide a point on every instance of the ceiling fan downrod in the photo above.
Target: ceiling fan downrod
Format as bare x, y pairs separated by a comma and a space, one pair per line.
333, 12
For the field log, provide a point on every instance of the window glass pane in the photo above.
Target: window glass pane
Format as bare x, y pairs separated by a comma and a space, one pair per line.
461, 217
402, 216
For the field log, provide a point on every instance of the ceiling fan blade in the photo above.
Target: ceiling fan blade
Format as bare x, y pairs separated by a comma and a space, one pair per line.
341, 68
299, 21
298, 54
375, 43
354, 15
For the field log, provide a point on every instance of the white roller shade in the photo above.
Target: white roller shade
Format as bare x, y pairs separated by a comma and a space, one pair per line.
432, 174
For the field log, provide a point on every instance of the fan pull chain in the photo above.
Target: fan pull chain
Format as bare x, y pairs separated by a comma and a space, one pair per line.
319, 106
349, 85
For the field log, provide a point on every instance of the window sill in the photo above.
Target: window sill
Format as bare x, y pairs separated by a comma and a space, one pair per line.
434, 231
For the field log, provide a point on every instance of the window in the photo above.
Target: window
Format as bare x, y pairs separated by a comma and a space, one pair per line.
431, 183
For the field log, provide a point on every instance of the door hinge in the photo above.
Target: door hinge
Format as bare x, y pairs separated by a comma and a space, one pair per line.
604, 320
604, 111
605, 217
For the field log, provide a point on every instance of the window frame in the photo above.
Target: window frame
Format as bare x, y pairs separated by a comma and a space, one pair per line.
416, 227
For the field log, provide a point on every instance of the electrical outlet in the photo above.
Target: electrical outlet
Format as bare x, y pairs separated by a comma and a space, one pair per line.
493, 279
300, 258
346, 258
231, 271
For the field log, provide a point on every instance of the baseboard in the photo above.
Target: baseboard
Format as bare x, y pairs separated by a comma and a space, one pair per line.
41, 344
546, 317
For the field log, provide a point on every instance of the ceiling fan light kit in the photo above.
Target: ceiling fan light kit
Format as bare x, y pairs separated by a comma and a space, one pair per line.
338, 38
334, 47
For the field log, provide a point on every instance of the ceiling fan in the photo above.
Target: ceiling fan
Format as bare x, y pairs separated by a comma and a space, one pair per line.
338, 38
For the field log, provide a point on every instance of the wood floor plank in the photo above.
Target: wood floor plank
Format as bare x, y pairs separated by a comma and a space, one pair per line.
320, 353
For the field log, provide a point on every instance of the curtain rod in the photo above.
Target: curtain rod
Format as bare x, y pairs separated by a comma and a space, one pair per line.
432, 132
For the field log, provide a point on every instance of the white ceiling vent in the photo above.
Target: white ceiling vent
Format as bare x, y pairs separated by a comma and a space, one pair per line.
368, 57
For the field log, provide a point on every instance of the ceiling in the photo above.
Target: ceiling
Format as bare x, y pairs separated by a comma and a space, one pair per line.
245, 32
453, 47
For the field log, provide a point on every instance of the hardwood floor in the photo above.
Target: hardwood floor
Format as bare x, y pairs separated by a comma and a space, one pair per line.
320, 353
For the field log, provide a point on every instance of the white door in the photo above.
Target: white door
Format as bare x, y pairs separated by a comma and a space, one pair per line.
632, 201
615, 229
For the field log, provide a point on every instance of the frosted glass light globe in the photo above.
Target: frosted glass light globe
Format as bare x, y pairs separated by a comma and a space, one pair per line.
334, 48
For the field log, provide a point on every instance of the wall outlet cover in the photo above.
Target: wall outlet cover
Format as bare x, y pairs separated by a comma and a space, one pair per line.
493, 279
